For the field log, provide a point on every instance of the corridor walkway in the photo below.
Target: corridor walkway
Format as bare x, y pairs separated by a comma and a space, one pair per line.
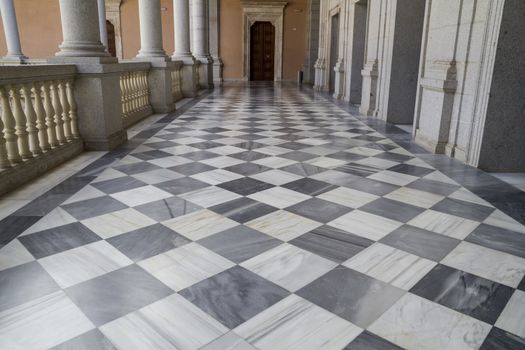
262, 218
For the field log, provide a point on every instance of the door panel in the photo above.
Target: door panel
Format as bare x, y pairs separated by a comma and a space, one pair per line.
262, 51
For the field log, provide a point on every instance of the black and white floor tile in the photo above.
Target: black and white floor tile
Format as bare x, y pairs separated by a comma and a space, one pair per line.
266, 218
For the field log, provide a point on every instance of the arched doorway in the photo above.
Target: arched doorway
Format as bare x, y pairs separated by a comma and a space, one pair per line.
112, 48
262, 51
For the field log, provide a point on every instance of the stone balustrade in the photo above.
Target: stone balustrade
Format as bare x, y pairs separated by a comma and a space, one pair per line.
39, 122
134, 89
176, 81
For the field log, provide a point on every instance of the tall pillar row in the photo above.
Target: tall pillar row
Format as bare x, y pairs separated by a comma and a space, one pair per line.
201, 49
12, 37
190, 70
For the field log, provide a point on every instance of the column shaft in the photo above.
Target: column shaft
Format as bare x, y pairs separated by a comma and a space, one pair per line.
150, 29
181, 9
102, 23
200, 29
81, 29
12, 37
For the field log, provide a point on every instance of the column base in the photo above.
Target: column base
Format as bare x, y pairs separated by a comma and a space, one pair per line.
190, 75
205, 72
217, 71
14, 59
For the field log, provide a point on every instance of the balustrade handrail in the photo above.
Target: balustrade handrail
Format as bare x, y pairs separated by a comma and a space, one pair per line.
38, 111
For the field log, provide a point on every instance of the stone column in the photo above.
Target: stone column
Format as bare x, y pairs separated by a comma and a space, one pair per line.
190, 74
214, 40
102, 23
151, 50
12, 38
81, 29
97, 83
201, 50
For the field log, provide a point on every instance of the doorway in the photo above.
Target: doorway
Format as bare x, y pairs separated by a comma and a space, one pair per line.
262, 51
358, 51
112, 47
334, 50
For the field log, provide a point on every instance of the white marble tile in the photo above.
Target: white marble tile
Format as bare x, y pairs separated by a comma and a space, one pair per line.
88, 192
57, 217
209, 196
366, 225
42, 323
279, 197
14, 254
229, 341
274, 162
415, 323
83, 263
465, 195
200, 224
180, 150
348, 197
222, 161
182, 267
365, 151
296, 324
226, 150
512, 319
188, 140
445, 224
288, 266
167, 162
283, 225
418, 162
141, 195
276, 177
273, 150
439, 176
488, 263
390, 265
313, 142
326, 162
217, 176
170, 323
415, 197
377, 162
9, 206
118, 222
229, 141
270, 141
500, 219
393, 177
157, 176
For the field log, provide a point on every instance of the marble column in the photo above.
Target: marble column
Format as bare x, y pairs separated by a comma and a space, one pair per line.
151, 50
190, 73
201, 49
80, 29
12, 37
102, 23
214, 40
150, 29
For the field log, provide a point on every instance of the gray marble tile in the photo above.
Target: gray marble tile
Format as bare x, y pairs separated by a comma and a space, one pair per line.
168, 208
373, 187
310, 186
24, 283
243, 209
101, 298
391, 209
436, 187
464, 209
351, 295
147, 242
88, 341
58, 239
135, 168
93, 207
499, 339
182, 185
229, 341
420, 242
474, 296
245, 186
234, 296
118, 185
239, 243
332, 243
499, 239
319, 210
370, 341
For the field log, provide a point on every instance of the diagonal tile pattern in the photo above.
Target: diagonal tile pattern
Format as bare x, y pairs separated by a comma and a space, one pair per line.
266, 218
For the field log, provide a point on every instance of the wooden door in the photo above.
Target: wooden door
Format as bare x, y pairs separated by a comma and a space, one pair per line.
262, 51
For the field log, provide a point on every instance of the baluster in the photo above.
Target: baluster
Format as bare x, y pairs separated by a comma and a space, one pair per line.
4, 160
65, 110
127, 86
21, 123
11, 140
131, 82
34, 145
145, 92
136, 89
73, 116
36, 89
50, 114
58, 113
122, 96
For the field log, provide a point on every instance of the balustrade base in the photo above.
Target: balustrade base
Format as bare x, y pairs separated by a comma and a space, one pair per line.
21, 173
107, 143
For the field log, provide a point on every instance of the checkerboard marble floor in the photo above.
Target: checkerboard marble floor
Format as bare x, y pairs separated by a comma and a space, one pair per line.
265, 218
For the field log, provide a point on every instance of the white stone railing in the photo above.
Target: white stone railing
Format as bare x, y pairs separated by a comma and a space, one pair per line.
176, 81
39, 122
134, 91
